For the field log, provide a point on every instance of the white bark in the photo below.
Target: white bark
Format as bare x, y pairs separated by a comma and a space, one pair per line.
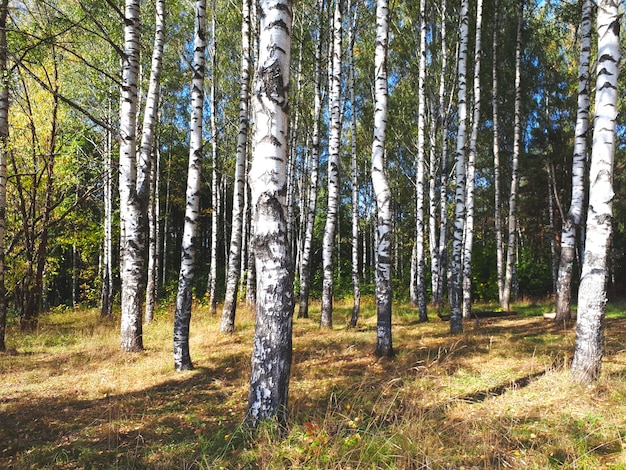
456, 319
517, 137
215, 195
356, 288
146, 152
496, 158
421, 155
106, 298
592, 298
234, 255
384, 344
182, 314
334, 143
133, 239
575, 213
305, 257
271, 356
471, 172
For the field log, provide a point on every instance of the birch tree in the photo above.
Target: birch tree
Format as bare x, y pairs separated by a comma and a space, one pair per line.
356, 288
384, 344
305, 256
421, 155
146, 151
182, 314
456, 318
272, 350
592, 296
330, 229
4, 138
517, 137
575, 214
234, 254
471, 172
496, 157
132, 239
215, 191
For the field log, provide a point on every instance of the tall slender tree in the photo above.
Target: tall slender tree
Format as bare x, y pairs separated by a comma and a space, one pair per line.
517, 137
133, 238
456, 317
272, 351
592, 298
496, 155
182, 314
4, 138
305, 256
334, 144
356, 288
146, 150
234, 255
384, 343
421, 156
575, 214
468, 239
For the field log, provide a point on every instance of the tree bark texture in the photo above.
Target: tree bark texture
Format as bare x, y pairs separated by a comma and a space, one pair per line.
133, 238
182, 314
575, 214
145, 180
234, 253
517, 137
272, 350
592, 298
334, 144
471, 172
384, 343
456, 317
305, 256
421, 155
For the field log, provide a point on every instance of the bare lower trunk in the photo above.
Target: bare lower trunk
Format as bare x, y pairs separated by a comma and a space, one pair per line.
4, 137
575, 214
234, 255
330, 229
456, 317
384, 343
182, 314
589, 349
272, 351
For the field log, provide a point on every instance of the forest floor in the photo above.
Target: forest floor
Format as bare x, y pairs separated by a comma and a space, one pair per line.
497, 397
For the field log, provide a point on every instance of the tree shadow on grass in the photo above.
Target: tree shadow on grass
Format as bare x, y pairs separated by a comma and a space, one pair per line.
158, 427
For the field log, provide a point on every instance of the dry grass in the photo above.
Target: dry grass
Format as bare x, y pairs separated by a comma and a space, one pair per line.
497, 397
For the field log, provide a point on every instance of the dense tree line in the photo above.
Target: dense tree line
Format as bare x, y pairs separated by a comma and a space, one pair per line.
433, 149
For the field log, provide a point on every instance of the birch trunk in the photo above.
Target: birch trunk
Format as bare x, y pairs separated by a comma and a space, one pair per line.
496, 158
133, 238
384, 343
517, 137
272, 352
4, 140
421, 155
234, 254
356, 288
182, 314
592, 298
106, 298
456, 317
334, 142
471, 172
305, 257
215, 202
146, 152
575, 213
